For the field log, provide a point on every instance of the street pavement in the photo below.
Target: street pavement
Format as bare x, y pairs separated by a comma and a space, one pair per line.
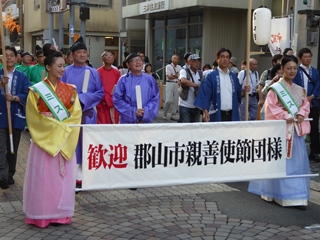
206, 211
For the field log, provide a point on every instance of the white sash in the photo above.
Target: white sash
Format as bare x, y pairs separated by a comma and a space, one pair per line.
51, 100
285, 98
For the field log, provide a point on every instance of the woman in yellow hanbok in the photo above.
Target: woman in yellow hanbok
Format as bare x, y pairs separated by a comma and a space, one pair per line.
49, 194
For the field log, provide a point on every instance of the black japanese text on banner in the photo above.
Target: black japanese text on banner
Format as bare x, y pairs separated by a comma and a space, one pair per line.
147, 155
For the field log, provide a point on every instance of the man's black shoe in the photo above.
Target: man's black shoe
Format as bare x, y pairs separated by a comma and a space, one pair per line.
11, 181
4, 183
314, 156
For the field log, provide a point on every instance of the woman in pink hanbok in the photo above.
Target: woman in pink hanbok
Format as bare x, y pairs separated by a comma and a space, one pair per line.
48, 194
288, 191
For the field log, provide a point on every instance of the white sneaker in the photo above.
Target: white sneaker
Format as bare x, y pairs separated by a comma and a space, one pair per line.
174, 118
164, 117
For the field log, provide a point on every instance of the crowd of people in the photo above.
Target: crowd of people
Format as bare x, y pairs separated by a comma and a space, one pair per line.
60, 90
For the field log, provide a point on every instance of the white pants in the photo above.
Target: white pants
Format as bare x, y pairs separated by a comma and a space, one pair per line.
172, 96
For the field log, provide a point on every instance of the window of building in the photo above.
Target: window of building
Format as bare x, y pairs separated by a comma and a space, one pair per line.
100, 3
36, 4
111, 41
176, 35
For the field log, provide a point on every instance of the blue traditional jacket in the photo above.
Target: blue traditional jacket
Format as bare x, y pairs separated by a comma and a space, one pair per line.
19, 87
313, 86
209, 96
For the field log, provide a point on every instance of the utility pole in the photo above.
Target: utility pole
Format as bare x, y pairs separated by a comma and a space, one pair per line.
21, 20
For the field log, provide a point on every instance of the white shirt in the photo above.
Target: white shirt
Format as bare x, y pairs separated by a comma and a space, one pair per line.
10, 75
305, 78
225, 90
191, 97
254, 80
172, 70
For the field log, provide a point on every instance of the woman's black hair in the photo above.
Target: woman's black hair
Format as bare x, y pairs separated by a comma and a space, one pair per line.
274, 70
145, 67
287, 59
286, 50
50, 56
207, 65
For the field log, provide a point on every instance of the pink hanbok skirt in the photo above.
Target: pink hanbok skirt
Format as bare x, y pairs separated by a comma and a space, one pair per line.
49, 188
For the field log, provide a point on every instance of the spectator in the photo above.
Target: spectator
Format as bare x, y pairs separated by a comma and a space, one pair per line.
190, 81
172, 91
253, 81
148, 70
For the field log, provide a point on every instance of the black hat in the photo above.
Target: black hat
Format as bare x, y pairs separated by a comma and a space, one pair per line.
38, 50
23, 54
186, 55
128, 58
78, 45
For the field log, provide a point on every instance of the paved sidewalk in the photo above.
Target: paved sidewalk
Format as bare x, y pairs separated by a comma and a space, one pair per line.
179, 212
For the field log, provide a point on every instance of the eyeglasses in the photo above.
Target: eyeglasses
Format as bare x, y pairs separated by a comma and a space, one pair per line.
136, 60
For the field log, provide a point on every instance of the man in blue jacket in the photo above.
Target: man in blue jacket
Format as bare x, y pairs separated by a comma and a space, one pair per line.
308, 78
18, 84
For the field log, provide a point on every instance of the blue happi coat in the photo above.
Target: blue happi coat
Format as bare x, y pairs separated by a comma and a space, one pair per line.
209, 96
19, 87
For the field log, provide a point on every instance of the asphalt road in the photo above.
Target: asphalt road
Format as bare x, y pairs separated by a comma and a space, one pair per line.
245, 205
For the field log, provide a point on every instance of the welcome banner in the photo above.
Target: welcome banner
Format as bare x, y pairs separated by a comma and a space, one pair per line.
280, 35
151, 155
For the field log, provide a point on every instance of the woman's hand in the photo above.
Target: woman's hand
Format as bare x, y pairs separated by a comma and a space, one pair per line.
300, 118
290, 120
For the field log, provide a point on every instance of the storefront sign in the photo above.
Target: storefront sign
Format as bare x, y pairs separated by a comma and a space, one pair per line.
153, 6
151, 155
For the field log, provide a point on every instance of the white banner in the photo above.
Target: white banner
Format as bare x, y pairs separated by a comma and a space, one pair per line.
149, 155
280, 35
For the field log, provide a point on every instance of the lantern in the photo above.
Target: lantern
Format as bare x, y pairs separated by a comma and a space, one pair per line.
261, 24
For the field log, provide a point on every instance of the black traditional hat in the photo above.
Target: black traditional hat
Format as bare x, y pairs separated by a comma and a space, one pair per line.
78, 45
128, 58
23, 54
38, 50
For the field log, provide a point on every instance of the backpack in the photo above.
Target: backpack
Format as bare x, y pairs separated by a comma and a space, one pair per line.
245, 75
184, 90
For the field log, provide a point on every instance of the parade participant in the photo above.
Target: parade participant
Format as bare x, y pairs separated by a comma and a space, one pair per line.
308, 78
37, 72
124, 98
220, 92
18, 84
89, 99
48, 193
288, 191
68, 58
26, 59
106, 113
172, 90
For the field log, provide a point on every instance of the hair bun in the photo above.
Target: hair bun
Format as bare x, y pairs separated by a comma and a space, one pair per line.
48, 49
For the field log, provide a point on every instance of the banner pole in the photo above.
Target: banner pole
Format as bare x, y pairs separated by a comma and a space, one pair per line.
248, 56
4, 62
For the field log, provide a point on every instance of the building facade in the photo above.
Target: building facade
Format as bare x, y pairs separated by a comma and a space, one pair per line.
102, 27
204, 26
